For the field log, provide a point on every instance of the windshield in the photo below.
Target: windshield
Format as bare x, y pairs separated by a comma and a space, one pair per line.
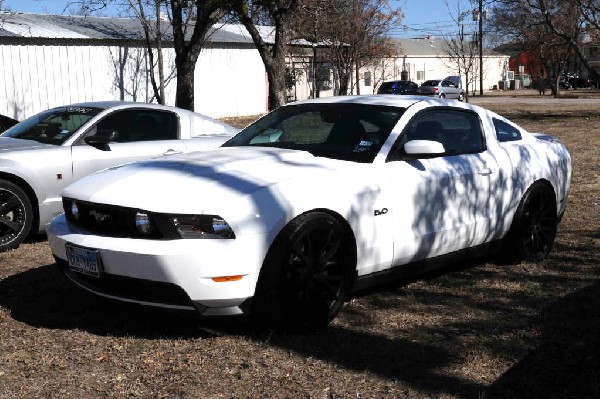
54, 126
431, 83
351, 132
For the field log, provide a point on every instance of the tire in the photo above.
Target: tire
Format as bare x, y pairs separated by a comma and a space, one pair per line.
461, 96
534, 226
307, 273
16, 216
442, 96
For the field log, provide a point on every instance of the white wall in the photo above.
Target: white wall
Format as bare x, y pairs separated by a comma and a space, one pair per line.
35, 78
229, 82
431, 68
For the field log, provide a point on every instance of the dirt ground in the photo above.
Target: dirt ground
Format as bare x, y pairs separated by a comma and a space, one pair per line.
476, 330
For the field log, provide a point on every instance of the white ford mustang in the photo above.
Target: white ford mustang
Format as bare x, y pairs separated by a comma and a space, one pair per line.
310, 203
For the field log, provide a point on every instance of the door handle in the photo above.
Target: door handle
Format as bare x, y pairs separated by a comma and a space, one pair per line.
171, 151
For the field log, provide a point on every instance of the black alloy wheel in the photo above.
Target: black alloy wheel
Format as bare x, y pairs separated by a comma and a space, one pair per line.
15, 216
307, 273
535, 223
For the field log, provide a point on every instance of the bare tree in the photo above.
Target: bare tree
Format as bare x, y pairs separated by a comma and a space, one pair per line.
251, 14
4, 12
148, 12
462, 48
199, 17
590, 11
562, 22
355, 30
187, 23
130, 72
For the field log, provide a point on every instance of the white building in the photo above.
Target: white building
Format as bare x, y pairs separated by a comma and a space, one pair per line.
53, 60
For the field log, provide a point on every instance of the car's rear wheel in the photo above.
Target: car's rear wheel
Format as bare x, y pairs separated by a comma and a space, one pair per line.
307, 273
16, 215
535, 223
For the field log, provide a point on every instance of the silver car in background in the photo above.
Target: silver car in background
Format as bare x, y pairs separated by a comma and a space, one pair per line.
46, 152
442, 88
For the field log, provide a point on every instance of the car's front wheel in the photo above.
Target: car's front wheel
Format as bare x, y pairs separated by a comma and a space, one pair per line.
307, 273
535, 223
461, 96
16, 215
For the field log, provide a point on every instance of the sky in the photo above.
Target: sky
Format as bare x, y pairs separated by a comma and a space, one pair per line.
421, 17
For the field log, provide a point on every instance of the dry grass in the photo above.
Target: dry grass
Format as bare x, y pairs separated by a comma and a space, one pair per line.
479, 330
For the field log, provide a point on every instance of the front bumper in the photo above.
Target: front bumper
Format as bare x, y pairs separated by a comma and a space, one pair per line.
175, 274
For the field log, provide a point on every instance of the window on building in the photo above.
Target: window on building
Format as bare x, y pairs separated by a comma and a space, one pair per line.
367, 78
420, 75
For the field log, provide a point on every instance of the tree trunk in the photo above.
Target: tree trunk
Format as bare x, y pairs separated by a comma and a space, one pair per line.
277, 87
184, 97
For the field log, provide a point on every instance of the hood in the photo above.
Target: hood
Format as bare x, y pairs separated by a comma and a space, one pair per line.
207, 180
9, 143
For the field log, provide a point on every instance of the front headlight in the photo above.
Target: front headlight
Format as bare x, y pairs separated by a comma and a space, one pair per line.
202, 226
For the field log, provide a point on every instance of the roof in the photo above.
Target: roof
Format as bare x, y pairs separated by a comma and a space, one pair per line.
430, 46
23, 25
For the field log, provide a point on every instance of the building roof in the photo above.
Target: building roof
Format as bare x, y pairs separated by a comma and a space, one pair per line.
431, 46
86, 28
23, 25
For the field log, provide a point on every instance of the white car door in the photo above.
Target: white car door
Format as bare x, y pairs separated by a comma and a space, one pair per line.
143, 134
439, 200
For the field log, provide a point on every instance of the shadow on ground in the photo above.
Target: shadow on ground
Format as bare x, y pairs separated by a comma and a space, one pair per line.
43, 298
566, 363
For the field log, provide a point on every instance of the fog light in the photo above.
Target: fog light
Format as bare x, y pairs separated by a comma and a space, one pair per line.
142, 223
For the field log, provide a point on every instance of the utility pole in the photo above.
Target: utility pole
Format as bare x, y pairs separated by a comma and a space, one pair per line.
481, 47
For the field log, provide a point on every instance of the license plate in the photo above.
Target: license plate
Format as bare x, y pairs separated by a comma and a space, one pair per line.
84, 260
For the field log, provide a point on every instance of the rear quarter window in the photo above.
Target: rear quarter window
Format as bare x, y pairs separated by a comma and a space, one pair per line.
506, 132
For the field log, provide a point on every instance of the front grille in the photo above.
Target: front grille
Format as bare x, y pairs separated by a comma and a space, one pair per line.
156, 292
110, 220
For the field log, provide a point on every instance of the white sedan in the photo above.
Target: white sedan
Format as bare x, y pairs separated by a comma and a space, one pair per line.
312, 202
45, 153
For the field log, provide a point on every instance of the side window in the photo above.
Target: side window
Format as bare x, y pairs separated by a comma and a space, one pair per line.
142, 125
505, 131
459, 131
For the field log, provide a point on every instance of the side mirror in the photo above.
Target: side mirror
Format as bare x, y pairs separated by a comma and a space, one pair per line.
424, 148
102, 138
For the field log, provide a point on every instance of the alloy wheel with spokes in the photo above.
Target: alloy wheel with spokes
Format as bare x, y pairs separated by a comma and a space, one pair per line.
15, 216
535, 223
308, 271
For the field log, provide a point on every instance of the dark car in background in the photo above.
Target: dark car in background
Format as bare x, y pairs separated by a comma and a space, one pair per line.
580, 83
398, 87
6, 122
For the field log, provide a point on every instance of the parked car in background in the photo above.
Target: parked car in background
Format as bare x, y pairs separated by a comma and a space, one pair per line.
398, 87
6, 122
442, 88
313, 201
564, 85
43, 154
580, 83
